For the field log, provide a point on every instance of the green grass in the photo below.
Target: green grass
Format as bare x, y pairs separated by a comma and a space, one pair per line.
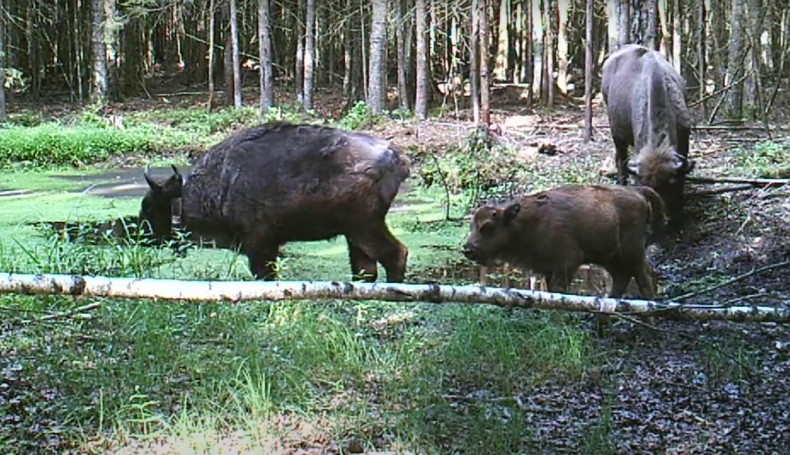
765, 160
419, 377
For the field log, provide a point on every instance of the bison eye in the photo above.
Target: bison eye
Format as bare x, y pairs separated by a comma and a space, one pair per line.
487, 229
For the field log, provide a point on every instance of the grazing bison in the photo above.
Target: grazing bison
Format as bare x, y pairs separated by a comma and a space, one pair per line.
554, 232
276, 183
645, 99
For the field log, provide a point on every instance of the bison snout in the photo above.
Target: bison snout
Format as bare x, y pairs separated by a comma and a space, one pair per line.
470, 252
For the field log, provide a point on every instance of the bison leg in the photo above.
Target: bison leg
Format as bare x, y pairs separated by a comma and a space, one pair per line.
262, 257
363, 267
621, 158
378, 243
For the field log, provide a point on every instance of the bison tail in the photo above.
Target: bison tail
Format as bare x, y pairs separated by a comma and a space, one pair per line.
657, 214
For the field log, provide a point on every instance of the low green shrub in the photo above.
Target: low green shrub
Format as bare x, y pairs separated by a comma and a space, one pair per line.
766, 160
53, 144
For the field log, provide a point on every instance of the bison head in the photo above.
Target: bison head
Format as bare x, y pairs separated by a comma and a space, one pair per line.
664, 170
490, 236
155, 208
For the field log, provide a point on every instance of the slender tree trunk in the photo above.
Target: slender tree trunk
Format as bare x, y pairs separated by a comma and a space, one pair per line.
235, 48
624, 19
613, 24
677, 36
309, 56
211, 30
299, 68
562, 46
266, 76
503, 46
735, 60
474, 62
421, 95
548, 52
651, 27
400, 32
537, 46
701, 37
485, 72
588, 70
99, 52
377, 61
3, 112
227, 56
348, 53
111, 30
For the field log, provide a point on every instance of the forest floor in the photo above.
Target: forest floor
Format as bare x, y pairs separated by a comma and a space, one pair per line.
688, 387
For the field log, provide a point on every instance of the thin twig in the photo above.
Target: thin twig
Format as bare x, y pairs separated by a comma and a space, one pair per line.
750, 181
64, 314
721, 90
722, 189
731, 281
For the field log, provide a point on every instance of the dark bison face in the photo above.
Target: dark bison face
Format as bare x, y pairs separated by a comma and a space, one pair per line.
665, 173
155, 208
490, 234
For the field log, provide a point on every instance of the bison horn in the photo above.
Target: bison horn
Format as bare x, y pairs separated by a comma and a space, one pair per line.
175, 170
632, 167
151, 183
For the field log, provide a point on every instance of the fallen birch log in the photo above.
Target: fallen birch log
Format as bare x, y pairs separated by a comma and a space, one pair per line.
236, 291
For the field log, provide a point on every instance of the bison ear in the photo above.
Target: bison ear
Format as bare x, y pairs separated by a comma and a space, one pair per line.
511, 211
688, 166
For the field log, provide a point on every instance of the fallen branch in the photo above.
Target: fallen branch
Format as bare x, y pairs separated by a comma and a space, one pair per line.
721, 90
731, 128
236, 291
751, 181
65, 314
757, 271
719, 190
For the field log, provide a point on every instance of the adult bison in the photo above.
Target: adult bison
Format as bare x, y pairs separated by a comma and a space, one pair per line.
280, 182
554, 232
645, 99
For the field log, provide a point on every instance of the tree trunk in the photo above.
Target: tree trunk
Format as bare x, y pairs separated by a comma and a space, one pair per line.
348, 54
751, 87
613, 24
485, 72
111, 30
228, 56
3, 112
735, 60
99, 53
537, 53
299, 66
211, 30
651, 26
677, 36
701, 38
548, 53
624, 19
421, 95
474, 62
562, 47
266, 76
309, 56
400, 35
237, 291
588, 71
503, 45
377, 90
236, 50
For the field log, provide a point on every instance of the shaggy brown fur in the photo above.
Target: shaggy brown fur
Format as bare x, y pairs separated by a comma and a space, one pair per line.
265, 186
554, 232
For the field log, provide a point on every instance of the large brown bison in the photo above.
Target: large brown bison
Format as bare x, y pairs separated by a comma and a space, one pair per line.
646, 102
279, 182
554, 232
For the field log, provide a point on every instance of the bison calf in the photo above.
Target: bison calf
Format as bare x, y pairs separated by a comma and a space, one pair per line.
279, 182
554, 232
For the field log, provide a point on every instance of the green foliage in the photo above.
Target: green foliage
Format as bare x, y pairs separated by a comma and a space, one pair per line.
766, 160
53, 144
728, 361
70, 253
477, 168
357, 117
14, 80
599, 438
